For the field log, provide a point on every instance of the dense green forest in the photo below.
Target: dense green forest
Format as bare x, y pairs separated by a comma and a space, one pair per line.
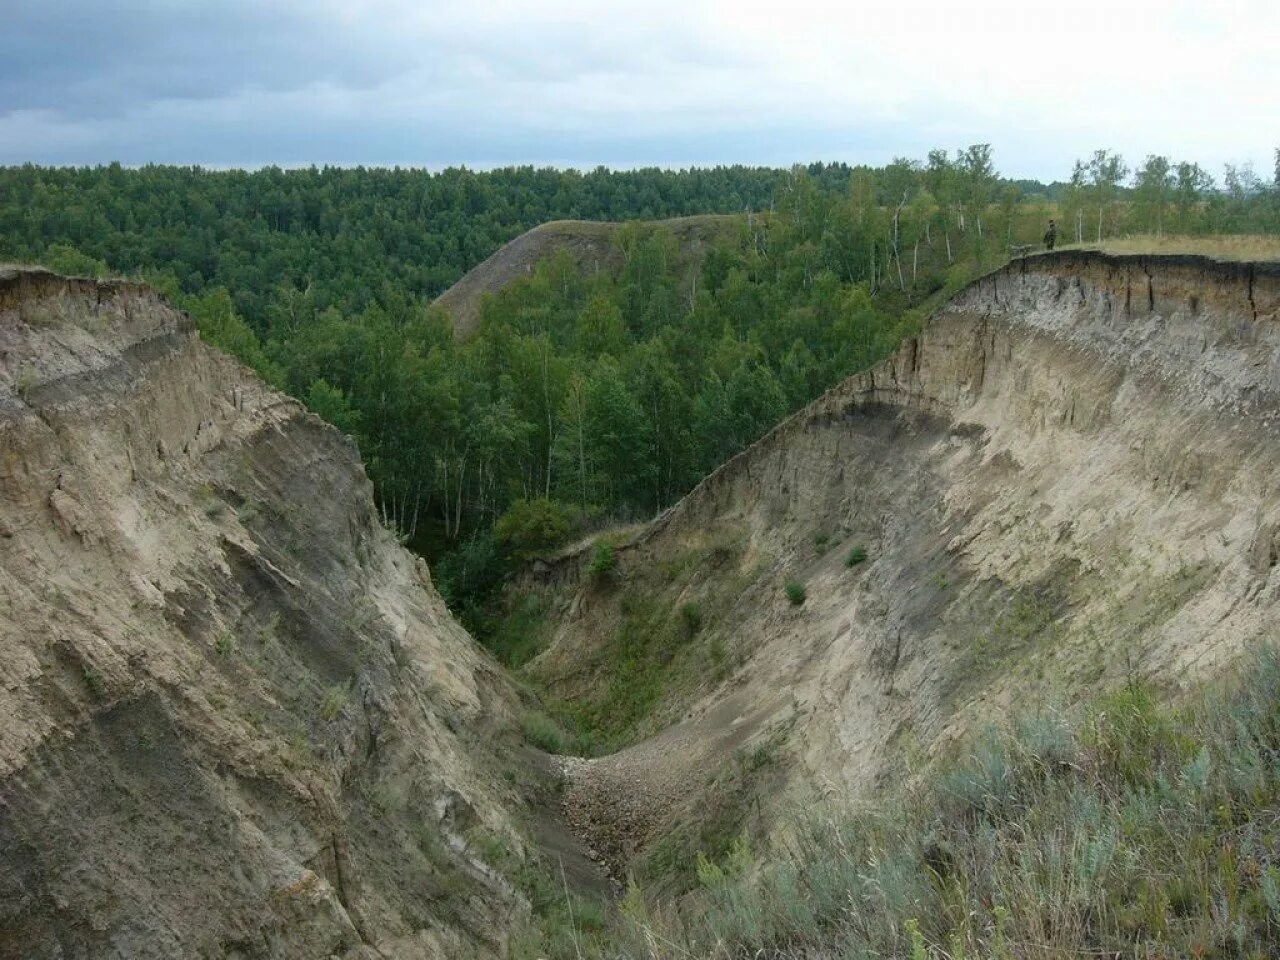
338, 237
582, 399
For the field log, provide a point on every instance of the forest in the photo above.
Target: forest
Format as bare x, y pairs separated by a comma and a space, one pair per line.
584, 399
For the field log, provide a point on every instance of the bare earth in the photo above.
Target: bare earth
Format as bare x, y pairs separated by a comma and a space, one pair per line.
1067, 479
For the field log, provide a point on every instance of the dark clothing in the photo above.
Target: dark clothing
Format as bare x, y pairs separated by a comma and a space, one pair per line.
1051, 236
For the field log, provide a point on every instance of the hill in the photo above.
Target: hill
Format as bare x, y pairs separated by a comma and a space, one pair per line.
1062, 485
590, 245
236, 718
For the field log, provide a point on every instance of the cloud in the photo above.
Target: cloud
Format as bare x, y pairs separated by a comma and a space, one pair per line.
234, 82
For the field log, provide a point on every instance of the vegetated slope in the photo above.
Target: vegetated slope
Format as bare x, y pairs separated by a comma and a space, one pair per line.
1067, 480
589, 243
236, 720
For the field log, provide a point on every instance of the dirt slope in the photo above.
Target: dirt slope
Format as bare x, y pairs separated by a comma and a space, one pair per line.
236, 720
590, 243
1070, 477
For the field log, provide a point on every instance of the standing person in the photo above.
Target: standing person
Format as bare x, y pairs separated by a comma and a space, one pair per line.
1051, 235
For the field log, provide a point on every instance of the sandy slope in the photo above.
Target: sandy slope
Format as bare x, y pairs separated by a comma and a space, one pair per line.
236, 719
1070, 477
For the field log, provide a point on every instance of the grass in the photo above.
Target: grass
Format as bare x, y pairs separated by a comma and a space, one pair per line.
1126, 828
638, 654
334, 701
855, 556
95, 682
656, 653
224, 644
561, 922
519, 634
26, 381
691, 617
543, 732
1218, 246
604, 559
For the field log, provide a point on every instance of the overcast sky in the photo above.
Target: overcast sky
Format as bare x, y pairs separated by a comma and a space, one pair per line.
667, 82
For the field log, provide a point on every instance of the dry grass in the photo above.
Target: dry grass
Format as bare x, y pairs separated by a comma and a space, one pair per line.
1218, 246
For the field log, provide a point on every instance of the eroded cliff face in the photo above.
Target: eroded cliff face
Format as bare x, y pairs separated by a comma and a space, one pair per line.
236, 719
1069, 478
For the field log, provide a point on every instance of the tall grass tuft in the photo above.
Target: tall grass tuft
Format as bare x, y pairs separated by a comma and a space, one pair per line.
1129, 828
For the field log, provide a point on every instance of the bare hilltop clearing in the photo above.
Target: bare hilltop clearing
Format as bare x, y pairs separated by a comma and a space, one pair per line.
591, 245
1259, 248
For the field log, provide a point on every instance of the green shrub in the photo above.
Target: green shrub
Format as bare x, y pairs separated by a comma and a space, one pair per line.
604, 558
334, 701
224, 644
543, 732
1128, 734
532, 527
26, 381
796, 593
67, 260
469, 576
93, 679
855, 556
691, 617
517, 634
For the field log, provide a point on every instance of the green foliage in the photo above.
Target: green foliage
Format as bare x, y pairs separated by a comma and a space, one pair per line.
94, 681
26, 381
1129, 829
796, 593
855, 556
334, 701
215, 315
918, 949
604, 559
639, 654
1129, 734
516, 635
691, 617
543, 732
614, 389
657, 654
532, 527
469, 576
66, 259
333, 405
224, 644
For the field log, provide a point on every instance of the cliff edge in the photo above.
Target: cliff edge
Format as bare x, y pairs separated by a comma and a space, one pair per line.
236, 719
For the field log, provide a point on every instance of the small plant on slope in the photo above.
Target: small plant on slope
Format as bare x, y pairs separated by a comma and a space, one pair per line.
604, 559
691, 617
541, 731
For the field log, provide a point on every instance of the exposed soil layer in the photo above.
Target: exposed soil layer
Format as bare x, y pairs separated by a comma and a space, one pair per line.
1067, 479
236, 719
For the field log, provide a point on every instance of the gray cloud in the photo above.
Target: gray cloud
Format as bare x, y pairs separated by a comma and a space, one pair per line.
571, 82
102, 59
